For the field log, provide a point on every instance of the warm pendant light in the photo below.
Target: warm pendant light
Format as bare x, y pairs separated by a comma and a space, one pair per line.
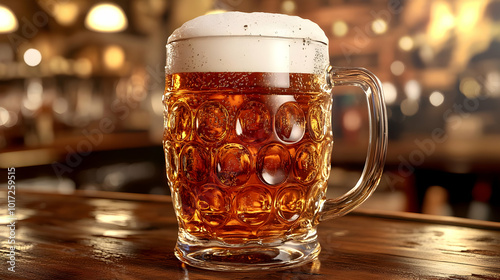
106, 17
8, 22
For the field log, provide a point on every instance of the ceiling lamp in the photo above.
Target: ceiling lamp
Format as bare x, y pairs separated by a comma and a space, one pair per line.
106, 18
8, 22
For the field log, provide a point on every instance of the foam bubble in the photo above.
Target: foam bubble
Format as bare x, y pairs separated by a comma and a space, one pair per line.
247, 42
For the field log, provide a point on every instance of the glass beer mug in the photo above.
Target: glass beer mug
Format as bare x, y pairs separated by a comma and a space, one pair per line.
248, 139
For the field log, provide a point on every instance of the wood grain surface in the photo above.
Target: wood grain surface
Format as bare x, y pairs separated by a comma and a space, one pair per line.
128, 236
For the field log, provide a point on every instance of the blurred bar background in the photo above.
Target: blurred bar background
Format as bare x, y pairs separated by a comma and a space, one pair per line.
81, 85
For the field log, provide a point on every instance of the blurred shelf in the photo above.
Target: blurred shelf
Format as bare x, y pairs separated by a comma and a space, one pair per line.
81, 145
458, 155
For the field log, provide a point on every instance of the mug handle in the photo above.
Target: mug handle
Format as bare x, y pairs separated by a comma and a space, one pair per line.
377, 146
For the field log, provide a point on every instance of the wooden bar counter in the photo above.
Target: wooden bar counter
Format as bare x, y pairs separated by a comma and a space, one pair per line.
103, 235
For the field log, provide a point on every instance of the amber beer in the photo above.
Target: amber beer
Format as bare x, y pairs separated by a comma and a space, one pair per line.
246, 160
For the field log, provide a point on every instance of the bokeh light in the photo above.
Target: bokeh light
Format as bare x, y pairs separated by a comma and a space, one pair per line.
339, 28
436, 98
352, 120
114, 57
4, 116
379, 26
413, 90
32, 57
397, 68
409, 107
470, 87
390, 93
406, 43
288, 6
66, 12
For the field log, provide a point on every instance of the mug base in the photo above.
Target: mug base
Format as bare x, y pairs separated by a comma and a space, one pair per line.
287, 254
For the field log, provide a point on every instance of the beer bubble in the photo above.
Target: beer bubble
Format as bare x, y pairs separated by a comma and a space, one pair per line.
290, 122
327, 160
185, 202
213, 205
317, 122
253, 123
179, 121
305, 166
273, 164
290, 203
171, 161
211, 121
233, 165
193, 163
254, 205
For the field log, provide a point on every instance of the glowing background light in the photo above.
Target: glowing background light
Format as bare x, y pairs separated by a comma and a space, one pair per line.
436, 98
83, 67
216, 11
409, 107
352, 120
4, 116
492, 83
390, 93
470, 87
34, 97
340, 28
406, 43
413, 90
379, 26
66, 13
441, 21
34, 92
106, 18
397, 68
32, 57
8, 22
426, 53
468, 15
114, 57
288, 6
60, 106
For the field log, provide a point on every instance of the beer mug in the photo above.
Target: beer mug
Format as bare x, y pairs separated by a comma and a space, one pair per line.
248, 139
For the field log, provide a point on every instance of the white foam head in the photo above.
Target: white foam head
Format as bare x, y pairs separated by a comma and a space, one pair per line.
247, 42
